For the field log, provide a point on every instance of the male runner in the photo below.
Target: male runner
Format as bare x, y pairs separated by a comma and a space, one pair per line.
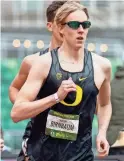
67, 91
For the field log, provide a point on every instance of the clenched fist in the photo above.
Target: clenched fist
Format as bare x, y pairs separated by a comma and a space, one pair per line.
66, 87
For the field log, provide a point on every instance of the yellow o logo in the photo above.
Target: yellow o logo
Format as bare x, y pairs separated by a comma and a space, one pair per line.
79, 95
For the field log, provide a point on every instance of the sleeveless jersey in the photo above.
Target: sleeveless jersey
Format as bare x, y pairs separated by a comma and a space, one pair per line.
42, 147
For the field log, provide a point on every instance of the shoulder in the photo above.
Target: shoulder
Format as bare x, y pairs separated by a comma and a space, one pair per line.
44, 59
43, 62
42, 65
30, 58
27, 63
102, 62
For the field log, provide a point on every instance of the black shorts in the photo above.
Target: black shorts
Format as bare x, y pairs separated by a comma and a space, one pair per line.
47, 148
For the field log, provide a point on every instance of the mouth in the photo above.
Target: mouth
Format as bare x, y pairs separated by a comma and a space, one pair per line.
80, 38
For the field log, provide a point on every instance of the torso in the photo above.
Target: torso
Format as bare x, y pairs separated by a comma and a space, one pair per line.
83, 103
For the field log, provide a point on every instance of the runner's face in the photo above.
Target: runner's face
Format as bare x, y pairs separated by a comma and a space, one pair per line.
78, 35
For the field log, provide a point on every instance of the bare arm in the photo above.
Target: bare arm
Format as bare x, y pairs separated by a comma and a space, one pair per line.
19, 80
104, 109
25, 107
104, 103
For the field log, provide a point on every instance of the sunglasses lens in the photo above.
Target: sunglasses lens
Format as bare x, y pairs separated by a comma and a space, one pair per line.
76, 24
86, 24
73, 24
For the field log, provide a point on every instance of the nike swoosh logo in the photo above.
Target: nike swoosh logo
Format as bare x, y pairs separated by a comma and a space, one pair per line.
81, 79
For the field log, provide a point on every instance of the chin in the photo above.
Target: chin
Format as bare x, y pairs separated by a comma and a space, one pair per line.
78, 46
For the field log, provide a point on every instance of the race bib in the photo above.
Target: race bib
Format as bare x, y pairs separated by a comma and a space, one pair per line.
63, 126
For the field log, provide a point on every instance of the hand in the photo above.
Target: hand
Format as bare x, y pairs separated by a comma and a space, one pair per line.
66, 87
102, 146
1, 144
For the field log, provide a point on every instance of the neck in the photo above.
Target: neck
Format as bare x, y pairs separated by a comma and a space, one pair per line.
54, 44
71, 54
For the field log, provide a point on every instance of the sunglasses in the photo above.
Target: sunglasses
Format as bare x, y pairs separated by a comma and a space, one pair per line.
76, 24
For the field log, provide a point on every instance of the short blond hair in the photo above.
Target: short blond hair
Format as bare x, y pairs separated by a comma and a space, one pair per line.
69, 7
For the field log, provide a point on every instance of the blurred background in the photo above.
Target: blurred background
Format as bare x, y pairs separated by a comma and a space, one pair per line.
23, 32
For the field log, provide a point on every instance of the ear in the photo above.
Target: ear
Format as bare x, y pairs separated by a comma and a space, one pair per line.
50, 26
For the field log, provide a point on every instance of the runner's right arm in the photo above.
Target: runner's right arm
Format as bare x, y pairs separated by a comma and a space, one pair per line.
25, 106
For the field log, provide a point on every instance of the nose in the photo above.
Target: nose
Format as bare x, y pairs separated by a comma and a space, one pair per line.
80, 29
